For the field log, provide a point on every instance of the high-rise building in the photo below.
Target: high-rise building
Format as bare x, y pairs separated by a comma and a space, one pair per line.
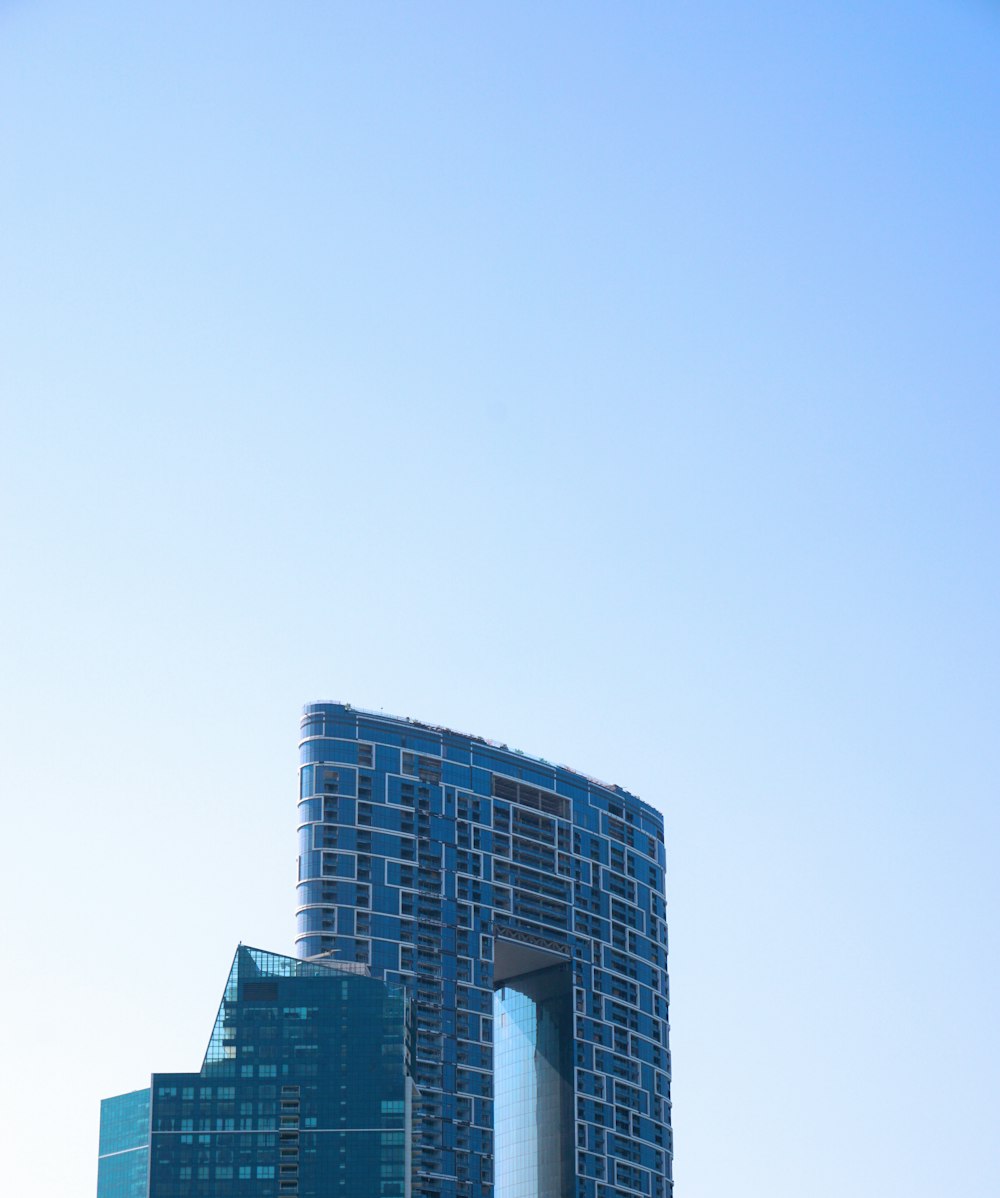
303, 1093
521, 904
123, 1154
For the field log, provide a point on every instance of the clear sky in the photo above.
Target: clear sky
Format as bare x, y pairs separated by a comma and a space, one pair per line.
618, 381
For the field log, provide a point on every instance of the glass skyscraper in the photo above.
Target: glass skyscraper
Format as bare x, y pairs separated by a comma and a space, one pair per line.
123, 1155
303, 1092
521, 905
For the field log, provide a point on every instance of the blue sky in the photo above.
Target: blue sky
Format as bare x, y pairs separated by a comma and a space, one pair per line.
616, 381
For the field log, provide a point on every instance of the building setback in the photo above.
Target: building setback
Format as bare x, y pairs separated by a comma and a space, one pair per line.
521, 904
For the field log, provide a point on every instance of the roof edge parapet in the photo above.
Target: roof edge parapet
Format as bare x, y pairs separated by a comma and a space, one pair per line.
441, 729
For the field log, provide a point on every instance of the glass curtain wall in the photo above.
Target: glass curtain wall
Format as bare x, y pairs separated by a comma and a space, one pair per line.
533, 1086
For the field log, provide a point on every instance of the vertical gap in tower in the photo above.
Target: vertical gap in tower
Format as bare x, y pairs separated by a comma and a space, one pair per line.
534, 1151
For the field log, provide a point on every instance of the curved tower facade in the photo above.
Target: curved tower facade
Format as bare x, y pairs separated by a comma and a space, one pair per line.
522, 905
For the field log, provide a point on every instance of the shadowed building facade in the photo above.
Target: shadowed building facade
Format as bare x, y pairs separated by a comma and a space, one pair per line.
521, 904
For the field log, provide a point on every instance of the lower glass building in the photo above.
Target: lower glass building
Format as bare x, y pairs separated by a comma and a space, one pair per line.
521, 904
303, 1092
123, 1160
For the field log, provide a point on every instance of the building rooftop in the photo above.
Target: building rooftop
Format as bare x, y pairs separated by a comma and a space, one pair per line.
445, 732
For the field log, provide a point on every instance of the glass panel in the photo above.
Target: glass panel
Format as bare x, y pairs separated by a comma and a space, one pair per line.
533, 1117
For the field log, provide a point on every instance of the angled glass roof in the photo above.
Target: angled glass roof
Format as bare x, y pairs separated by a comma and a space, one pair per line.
257, 964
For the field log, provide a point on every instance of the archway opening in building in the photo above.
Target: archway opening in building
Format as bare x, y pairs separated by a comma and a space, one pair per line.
533, 1151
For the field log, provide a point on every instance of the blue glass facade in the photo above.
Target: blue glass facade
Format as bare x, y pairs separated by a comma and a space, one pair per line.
467, 871
533, 1085
123, 1160
303, 1092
